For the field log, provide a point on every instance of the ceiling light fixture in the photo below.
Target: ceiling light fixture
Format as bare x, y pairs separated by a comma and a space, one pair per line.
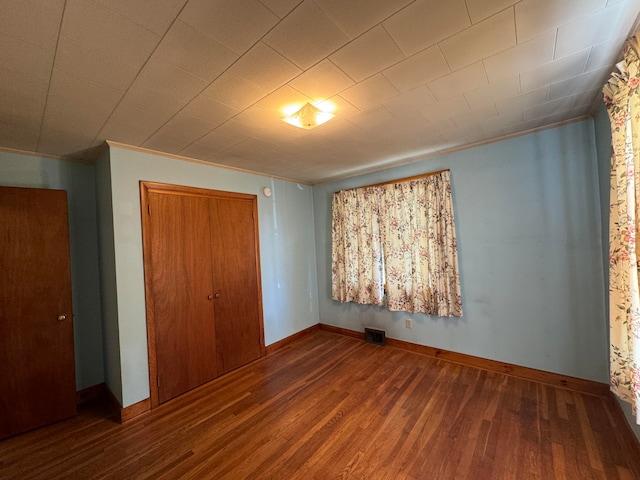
308, 117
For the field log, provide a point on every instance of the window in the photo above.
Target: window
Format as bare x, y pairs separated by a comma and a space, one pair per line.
400, 236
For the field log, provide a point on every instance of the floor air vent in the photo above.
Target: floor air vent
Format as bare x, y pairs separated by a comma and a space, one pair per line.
375, 336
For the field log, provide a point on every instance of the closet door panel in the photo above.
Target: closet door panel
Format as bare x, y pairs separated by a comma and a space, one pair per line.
235, 282
182, 293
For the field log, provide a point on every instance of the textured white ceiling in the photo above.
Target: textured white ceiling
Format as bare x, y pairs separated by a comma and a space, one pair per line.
207, 79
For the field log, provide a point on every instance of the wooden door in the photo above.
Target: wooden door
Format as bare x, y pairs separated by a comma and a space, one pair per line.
37, 370
235, 281
182, 293
204, 307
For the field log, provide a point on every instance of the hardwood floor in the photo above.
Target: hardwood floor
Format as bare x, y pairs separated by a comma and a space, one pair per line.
328, 406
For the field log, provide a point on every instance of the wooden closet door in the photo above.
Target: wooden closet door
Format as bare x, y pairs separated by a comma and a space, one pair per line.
182, 293
37, 369
235, 281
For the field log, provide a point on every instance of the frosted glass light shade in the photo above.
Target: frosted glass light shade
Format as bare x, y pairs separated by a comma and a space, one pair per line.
308, 117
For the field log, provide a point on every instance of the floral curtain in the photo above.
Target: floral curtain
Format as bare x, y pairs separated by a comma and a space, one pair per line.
623, 105
420, 253
401, 235
357, 273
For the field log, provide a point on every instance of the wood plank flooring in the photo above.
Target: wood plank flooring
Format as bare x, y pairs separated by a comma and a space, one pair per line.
328, 406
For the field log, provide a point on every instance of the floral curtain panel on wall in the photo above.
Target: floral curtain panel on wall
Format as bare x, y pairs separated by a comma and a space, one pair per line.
401, 235
358, 271
623, 105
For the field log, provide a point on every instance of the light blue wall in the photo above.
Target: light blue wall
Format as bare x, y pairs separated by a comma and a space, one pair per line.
287, 253
603, 150
19, 170
528, 224
603, 153
108, 290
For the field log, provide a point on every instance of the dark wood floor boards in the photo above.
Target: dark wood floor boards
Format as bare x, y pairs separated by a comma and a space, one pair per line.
293, 409
328, 406
359, 389
382, 433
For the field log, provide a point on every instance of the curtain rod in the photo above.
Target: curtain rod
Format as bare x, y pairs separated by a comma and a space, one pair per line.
407, 179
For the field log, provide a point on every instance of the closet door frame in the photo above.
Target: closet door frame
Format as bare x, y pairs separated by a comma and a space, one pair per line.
146, 188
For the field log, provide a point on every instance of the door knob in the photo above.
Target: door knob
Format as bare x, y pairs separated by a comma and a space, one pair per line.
62, 317
216, 295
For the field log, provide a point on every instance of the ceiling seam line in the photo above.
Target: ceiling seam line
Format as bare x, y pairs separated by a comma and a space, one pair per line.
53, 65
222, 73
146, 62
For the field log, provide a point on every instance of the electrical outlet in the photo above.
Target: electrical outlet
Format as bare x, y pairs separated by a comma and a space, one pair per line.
407, 323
